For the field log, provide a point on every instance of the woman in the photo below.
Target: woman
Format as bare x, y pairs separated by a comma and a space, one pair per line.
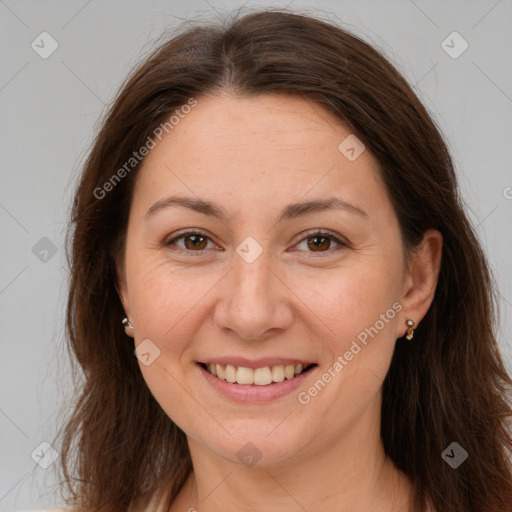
267, 376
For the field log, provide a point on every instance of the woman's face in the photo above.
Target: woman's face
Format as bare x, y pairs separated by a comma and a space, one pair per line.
254, 286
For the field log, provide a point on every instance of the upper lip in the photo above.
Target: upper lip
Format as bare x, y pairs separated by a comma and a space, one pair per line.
256, 363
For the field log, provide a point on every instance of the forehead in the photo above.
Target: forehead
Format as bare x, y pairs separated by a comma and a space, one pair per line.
259, 148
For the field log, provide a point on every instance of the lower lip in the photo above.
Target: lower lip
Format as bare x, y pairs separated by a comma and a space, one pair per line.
253, 393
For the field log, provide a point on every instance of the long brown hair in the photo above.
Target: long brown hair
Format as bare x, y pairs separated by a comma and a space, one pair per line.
450, 385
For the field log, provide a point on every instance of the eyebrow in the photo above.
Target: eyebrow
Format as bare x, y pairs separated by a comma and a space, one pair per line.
291, 211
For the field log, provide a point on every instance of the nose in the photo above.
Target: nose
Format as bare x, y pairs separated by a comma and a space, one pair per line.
254, 301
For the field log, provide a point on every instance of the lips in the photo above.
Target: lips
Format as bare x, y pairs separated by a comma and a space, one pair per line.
260, 392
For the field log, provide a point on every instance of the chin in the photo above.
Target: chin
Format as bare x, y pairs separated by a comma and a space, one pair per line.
265, 446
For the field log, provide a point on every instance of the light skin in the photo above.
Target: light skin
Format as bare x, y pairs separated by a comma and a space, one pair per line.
254, 156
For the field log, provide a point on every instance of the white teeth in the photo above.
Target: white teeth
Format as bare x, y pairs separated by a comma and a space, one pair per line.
230, 373
259, 376
262, 376
278, 373
289, 371
245, 375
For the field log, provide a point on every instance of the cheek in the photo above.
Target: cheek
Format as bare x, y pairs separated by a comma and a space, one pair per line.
340, 302
161, 296
163, 307
353, 300
359, 312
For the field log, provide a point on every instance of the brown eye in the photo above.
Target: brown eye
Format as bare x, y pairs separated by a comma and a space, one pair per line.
196, 242
317, 242
192, 242
321, 242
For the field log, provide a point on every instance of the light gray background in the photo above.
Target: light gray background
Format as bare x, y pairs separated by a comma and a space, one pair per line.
50, 109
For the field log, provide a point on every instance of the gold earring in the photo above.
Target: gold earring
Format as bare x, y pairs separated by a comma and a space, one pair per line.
410, 331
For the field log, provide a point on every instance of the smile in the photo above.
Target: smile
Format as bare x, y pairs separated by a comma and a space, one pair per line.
264, 376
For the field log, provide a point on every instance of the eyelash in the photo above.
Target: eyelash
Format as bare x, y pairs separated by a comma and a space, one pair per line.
313, 234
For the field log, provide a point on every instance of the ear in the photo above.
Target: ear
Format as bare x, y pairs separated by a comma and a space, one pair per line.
122, 291
421, 279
